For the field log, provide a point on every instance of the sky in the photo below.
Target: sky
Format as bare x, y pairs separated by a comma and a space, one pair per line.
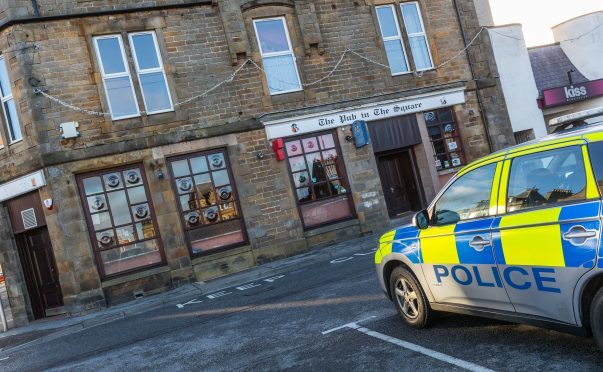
538, 16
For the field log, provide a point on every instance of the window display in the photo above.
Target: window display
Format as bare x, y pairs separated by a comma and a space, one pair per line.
207, 201
445, 138
121, 220
319, 178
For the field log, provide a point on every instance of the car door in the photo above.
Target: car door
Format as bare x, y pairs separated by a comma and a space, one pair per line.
595, 152
458, 259
548, 237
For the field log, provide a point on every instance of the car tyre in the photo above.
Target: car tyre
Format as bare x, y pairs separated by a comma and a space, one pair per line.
596, 318
409, 298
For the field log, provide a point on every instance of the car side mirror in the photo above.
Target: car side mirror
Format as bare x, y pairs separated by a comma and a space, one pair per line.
421, 220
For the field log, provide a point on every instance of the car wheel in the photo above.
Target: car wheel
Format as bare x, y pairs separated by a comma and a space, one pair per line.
410, 299
596, 318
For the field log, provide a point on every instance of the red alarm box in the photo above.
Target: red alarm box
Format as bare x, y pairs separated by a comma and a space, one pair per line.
278, 146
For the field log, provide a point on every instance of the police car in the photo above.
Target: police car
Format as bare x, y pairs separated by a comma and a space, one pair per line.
514, 236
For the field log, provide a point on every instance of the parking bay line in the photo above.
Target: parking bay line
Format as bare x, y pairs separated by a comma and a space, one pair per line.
413, 347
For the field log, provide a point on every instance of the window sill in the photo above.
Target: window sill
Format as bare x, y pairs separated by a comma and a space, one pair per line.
124, 117
292, 97
401, 73
15, 142
145, 121
286, 92
160, 112
140, 115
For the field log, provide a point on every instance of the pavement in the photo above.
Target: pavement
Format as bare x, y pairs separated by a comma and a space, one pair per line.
54, 327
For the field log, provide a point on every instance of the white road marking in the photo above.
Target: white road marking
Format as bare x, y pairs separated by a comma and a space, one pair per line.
4, 358
248, 286
243, 287
195, 301
363, 254
273, 278
425, 351
342, 259
352, 325
218, 294
413, 347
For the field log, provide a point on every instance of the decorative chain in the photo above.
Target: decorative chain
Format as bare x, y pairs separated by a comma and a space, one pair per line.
251, 62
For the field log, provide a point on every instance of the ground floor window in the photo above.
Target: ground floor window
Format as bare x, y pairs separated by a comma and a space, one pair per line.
318, 174
121, 220
207, 201
445, 138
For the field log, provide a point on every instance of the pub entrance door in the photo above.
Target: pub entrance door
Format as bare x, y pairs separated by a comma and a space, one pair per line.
40, 271
398, 181
35, 254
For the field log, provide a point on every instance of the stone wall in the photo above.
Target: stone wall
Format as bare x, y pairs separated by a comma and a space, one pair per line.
197, 56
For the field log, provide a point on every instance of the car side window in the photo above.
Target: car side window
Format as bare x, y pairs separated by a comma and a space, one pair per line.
596, 159
545, 178
467, 198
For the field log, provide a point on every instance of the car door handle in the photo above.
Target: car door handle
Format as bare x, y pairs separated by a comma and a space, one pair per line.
579, 234
479, 244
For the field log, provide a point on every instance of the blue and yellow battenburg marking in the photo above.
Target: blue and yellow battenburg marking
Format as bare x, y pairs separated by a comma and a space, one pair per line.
515, 240
404, 240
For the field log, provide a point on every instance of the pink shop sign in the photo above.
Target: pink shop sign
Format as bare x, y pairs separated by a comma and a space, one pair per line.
572, 93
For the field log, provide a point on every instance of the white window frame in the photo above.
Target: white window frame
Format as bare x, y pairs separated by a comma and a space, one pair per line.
390, 38
116, 75
288, 52
140, 72
423, 34
4, 99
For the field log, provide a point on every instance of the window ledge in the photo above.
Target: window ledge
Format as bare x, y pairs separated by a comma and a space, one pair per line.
401, 73
286, 92
336, 226
120, 118
290, 97
134, 276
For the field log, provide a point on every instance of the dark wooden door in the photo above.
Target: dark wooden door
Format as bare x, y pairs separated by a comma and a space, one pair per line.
398, 182
39, 269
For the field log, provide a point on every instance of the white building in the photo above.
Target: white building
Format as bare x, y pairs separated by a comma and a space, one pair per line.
517, 79
544, 82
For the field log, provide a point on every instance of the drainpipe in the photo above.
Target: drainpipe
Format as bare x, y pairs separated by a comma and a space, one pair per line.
4, 323
36, 9
471, 68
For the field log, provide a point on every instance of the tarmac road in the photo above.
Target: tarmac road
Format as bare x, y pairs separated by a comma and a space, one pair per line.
330, 315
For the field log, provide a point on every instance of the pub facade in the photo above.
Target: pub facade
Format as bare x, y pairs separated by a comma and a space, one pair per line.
144, 147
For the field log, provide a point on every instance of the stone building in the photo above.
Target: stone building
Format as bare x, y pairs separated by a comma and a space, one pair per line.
145, 145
